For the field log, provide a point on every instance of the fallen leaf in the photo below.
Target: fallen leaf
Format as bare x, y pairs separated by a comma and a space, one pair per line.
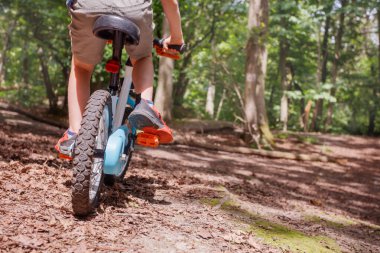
203, 233
316, 202
27, 241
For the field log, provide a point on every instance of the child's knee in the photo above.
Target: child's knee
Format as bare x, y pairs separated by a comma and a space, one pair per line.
82, 66
136, 61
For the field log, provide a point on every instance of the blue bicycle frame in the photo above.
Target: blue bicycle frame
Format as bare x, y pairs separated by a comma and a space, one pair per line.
115, 158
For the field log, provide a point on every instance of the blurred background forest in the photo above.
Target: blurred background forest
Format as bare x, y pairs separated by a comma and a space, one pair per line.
319, 61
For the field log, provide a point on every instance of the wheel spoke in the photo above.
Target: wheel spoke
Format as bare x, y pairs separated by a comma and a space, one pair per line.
100, 143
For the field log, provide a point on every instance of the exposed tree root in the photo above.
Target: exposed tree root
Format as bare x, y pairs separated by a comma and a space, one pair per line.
189, 141
30, 115
203, 126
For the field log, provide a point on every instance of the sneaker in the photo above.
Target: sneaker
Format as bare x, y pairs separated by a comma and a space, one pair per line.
147, 118
65, 145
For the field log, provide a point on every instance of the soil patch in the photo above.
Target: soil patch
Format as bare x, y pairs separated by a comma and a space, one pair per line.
183, 199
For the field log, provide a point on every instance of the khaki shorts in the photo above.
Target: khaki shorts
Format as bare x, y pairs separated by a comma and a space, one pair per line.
89, 49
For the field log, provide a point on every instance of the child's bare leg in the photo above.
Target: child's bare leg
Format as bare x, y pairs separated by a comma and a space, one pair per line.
145, 116
143, 77
78, 92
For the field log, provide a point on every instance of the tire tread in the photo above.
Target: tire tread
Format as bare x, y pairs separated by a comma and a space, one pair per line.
82, 163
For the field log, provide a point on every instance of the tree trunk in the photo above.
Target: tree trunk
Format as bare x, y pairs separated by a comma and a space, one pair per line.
302, 118
306, 115
318, 110
6, 48
283, 70
335, 69
66, 74
182, 83
220, 105
373, 109
256, 66
285, 83
210, 106
210, 100
25, 64
53, 101
372, 115
164, 92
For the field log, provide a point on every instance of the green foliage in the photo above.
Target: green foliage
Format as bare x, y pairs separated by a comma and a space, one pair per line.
333, 222
282, 136
215, 50
38, 24
308, 139
216, 34
27, 97
304, 21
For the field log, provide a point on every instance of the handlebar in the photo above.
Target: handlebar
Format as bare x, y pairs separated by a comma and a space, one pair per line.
159, 46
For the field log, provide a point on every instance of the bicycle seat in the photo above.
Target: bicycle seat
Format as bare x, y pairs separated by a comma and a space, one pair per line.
106, 25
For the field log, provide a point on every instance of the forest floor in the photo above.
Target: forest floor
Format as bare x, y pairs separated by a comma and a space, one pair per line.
184, 199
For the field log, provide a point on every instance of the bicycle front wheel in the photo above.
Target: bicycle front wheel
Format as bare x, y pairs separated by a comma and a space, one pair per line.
89, 153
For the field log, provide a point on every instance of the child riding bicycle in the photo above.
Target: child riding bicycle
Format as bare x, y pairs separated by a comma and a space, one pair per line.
87, 51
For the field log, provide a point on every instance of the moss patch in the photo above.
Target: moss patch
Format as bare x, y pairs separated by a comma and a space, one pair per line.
326, 150
282, 136
339, 222
333, 221
275, 234
210, 202
308, 139
293, 240
376, 228
224, 203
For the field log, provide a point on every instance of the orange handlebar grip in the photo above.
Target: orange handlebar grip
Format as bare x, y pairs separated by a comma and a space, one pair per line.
147, 140
161, 52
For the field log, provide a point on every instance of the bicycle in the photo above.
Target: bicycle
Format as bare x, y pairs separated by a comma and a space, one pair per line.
104, 145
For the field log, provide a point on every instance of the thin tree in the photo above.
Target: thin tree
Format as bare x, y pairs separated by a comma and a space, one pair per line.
52, 97
210, 99
376, 88
336, 61
211, 89
7, 46
284, 72
322, 68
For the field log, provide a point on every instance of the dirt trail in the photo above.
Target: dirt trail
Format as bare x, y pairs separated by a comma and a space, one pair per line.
182, 199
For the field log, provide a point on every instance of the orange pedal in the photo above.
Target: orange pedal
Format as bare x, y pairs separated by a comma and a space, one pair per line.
147, 140
65, 157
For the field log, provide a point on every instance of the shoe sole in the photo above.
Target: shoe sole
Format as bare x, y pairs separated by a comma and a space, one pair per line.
148, 124
144, 119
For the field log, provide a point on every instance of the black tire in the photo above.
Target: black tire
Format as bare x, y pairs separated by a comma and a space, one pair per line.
84, 196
